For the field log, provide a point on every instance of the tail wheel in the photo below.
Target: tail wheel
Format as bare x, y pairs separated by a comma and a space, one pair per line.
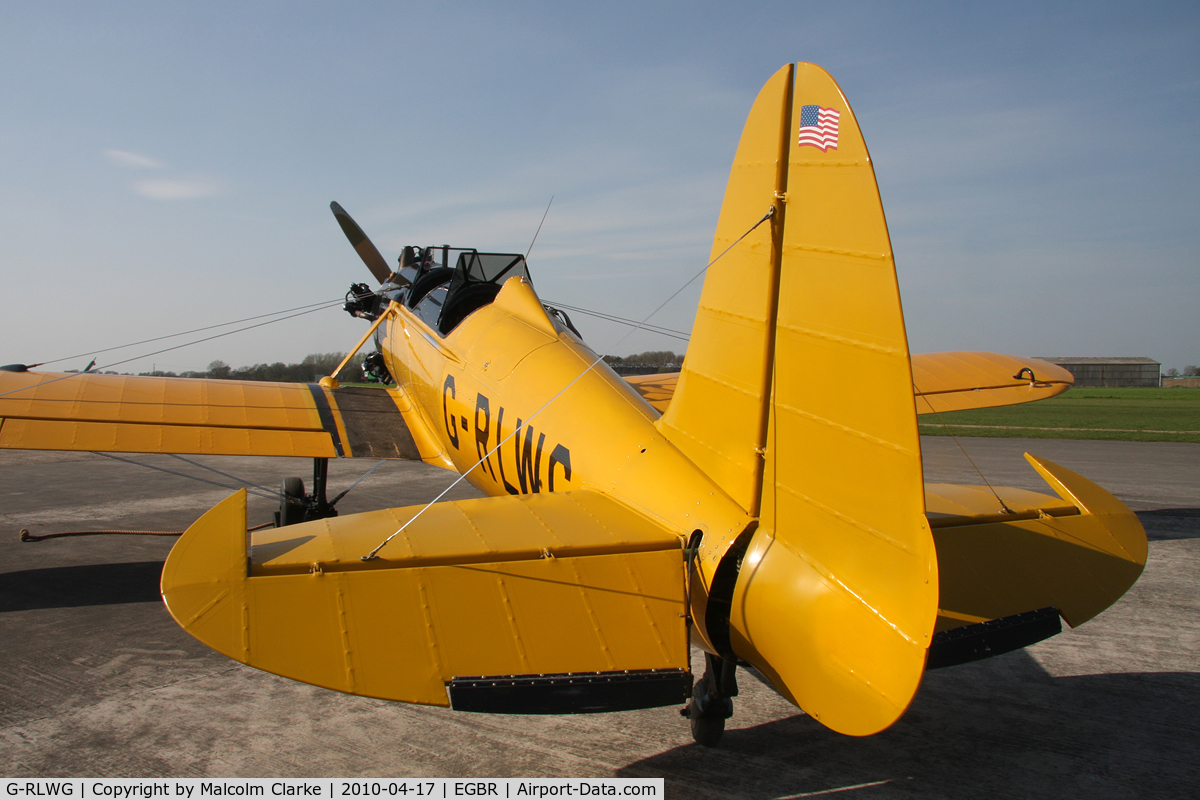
712, 700
707, 717
291, 511
707, 731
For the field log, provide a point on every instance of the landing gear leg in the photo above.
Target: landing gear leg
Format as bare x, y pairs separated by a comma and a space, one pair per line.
297, 506
712, 702
291, 502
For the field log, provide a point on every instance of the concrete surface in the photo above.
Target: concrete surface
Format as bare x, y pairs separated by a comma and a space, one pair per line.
96, 680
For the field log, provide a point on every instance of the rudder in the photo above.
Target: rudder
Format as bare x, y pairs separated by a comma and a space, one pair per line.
796, 398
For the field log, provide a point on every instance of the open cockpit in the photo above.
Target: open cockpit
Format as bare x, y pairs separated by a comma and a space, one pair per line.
441, 285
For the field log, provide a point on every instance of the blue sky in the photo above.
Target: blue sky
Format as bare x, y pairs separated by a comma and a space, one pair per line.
166, 166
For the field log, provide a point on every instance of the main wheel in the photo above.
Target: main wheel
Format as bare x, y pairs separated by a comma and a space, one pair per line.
707, 731
291, 512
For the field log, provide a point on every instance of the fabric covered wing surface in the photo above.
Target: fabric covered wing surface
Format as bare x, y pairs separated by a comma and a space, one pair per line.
135, 414
951, 381
956, 381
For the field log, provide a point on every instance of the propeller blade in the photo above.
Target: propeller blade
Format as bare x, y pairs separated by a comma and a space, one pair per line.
361, 244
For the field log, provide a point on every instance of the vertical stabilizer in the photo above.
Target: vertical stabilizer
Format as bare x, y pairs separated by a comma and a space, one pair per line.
844, 550
718, 414
796, 397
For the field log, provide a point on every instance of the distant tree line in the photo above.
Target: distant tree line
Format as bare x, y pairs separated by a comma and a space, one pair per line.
312, 367
1190, 371
650, 358
649, 362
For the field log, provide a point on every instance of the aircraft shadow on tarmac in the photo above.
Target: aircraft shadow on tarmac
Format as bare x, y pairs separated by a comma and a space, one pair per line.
86, 585
138, 582
1003, 728
1171, 523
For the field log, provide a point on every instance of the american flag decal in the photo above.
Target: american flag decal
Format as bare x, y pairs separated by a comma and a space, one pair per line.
819, 127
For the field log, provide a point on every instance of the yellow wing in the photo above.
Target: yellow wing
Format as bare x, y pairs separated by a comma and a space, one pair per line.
549, 603
960, 380
951, 381
121, 413
657, 389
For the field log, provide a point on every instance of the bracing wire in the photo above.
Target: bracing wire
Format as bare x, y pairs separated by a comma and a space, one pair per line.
185, 333
375, 553
251, 490
222, 474
361, 478
321, 307
950, 433
674, 334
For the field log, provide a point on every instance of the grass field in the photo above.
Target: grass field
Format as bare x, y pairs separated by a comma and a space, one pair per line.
1127, 414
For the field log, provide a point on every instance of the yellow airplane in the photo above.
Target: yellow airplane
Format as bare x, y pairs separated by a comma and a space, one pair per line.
765, 504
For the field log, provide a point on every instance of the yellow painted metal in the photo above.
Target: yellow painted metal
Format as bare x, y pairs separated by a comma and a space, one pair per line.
428, 443
837, 598
960, 380
500, 586
717, 416
1079, 563
28, 434
85, 411
581, 427
947, 505
203, 579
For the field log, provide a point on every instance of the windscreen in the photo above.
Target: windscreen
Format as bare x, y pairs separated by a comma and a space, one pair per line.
493, 268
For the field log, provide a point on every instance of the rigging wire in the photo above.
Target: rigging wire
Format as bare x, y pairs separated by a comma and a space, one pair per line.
185, 333
223, 474
375, 553
674, 334
254, 491
165, 350
950, 433
361, 478
262, 491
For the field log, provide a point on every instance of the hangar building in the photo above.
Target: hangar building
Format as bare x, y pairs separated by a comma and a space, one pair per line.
1139, 371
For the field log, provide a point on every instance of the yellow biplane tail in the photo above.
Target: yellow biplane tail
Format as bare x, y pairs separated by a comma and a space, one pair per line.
796, 398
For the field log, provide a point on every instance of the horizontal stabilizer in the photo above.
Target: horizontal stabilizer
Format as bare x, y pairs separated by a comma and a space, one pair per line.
1078, 552
142, 414
470, 604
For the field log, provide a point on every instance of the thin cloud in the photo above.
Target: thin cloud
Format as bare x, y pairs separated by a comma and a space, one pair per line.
123, 158
176, 188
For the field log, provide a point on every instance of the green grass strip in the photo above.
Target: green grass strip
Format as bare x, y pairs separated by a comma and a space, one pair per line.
1122, 414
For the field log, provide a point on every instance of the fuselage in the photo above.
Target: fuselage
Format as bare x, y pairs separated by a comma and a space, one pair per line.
520, 405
